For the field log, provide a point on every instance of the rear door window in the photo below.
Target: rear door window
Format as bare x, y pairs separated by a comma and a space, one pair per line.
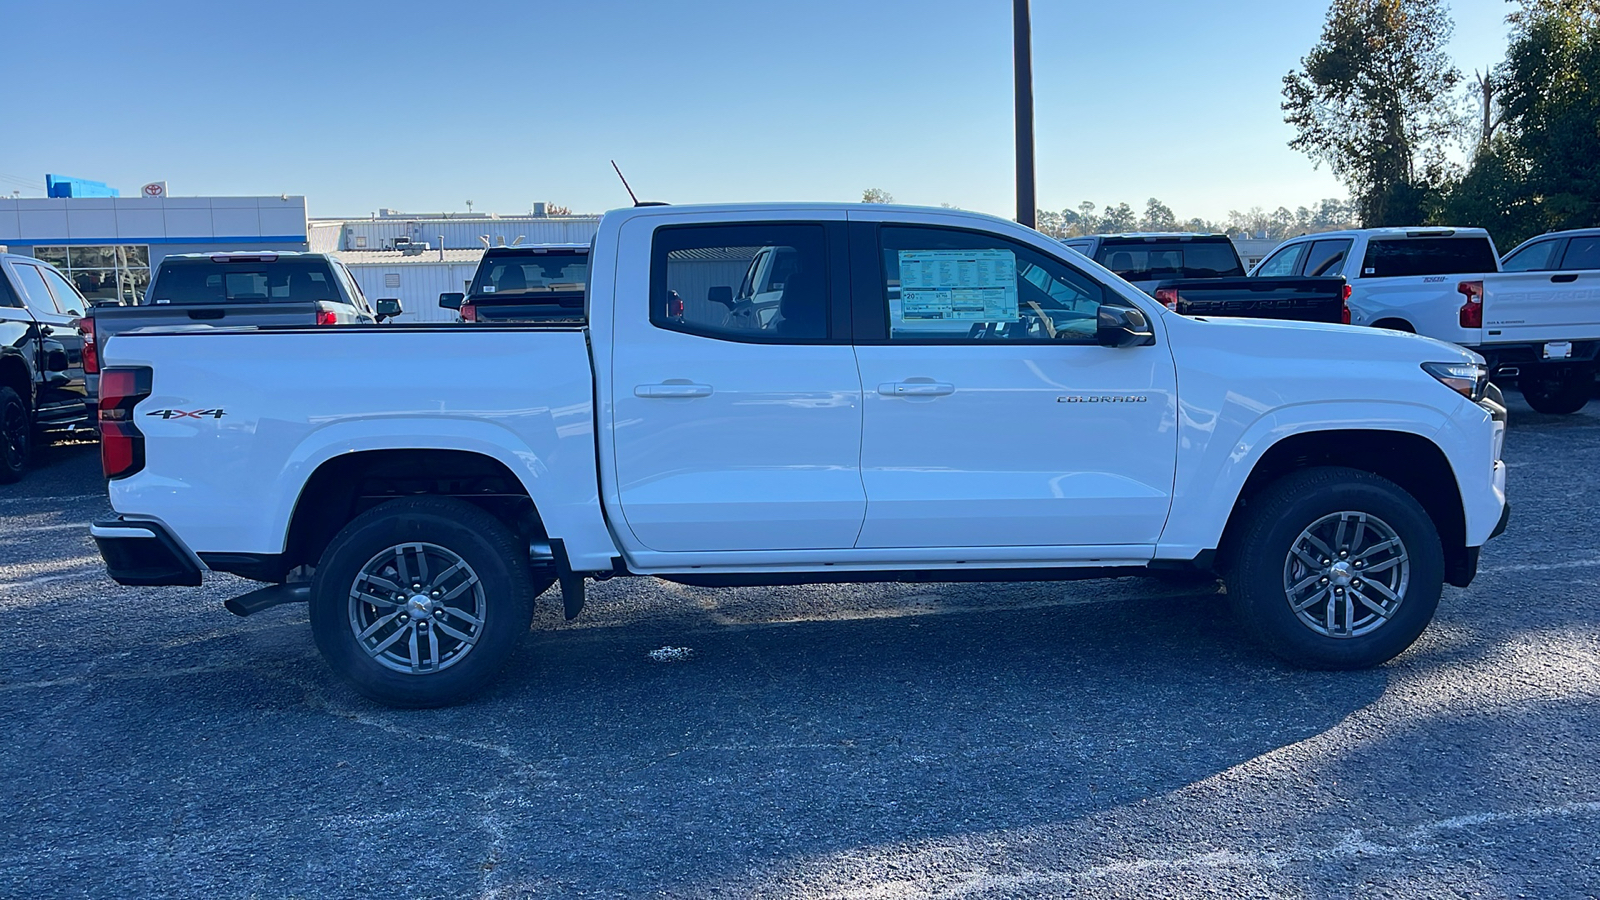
1400, 257
1283, 263
1582, 253
1327, 257
696, 270
1532, 258
68, 300
34, 291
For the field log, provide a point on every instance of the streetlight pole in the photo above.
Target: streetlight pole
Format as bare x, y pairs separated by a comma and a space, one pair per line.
1022, 59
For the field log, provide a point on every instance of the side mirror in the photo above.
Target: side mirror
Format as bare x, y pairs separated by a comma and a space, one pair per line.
388, 309
1122, 326
721, 294
451, 300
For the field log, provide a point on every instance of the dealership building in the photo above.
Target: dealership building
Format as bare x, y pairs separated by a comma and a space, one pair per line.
108, 244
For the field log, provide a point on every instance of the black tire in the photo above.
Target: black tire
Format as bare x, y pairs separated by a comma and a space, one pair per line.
16, 436
1263, 563
1557, 396
502, 600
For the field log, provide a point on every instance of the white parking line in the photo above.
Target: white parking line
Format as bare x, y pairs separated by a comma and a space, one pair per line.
105, 497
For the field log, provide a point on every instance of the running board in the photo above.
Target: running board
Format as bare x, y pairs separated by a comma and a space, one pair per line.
273, 595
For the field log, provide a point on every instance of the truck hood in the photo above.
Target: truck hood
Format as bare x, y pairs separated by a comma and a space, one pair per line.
1353, 343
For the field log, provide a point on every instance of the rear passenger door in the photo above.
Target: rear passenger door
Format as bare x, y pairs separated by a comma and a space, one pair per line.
737, 412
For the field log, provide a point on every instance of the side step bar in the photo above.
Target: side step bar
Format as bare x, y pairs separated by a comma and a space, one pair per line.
272, 595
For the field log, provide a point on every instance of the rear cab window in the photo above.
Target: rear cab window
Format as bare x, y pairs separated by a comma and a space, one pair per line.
1145, 259
183, 282
531, 285
1397, 257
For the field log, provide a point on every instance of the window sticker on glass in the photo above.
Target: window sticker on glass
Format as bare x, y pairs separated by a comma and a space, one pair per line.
958, 285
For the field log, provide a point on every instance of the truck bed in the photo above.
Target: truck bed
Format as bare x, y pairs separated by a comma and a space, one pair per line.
1534, 307
277, 403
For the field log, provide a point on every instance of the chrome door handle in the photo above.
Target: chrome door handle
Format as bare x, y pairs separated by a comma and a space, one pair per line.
916, 389
653, 391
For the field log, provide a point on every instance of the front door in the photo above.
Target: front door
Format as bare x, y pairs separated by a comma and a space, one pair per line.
736, 431
992, 417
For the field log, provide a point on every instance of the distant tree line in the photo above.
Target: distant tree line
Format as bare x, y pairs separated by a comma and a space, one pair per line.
1379, 101
1328, 215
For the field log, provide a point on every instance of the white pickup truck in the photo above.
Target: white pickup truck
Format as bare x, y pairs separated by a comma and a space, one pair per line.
1400, 278
939, 396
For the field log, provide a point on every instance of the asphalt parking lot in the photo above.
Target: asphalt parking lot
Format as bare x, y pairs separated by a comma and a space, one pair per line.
1098, 739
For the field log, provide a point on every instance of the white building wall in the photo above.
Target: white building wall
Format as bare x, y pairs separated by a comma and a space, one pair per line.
421, 283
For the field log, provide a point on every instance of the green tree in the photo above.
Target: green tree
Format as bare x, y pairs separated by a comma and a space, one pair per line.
1550, 91
1157, 217
1374, 100
876, 195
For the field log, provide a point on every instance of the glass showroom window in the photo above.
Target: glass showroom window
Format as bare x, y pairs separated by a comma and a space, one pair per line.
108, 274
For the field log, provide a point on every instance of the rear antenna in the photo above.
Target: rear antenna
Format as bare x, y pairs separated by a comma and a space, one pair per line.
631, 195
625, 187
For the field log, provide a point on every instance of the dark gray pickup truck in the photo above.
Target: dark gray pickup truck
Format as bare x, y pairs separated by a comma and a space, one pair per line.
1202, 275
43, 385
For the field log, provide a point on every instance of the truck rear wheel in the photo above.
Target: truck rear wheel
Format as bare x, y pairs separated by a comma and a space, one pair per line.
1559, 395
16, 436
421, 602
1336, 568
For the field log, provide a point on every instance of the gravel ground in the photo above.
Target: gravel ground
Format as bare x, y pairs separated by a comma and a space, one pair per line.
1099, 739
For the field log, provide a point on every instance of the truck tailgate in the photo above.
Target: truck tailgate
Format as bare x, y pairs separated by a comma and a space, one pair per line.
1304, 299
110, 320
1530, 307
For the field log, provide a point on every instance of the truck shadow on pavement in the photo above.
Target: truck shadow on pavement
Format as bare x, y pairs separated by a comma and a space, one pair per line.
590, 767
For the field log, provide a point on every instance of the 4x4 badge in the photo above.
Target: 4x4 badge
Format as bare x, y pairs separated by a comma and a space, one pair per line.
187, 413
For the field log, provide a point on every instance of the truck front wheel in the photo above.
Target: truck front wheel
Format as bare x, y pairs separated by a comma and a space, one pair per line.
421, 602
1557, 395
1336, 568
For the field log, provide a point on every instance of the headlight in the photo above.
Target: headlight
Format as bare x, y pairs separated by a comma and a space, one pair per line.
1470, 380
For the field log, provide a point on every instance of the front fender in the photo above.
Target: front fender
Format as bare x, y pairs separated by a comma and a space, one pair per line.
1212, 472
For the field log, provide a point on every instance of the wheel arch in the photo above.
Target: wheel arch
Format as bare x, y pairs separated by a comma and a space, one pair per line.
1414, 462
1395, 323
14, 374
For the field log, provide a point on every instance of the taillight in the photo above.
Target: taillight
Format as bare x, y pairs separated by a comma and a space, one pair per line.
121, 444
469, 313
1472, 310
1167, 297
91, 352
1344, 306
327, 317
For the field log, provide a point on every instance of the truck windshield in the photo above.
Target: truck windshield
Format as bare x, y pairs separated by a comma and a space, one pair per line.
531, 274
1142, 260
283, 280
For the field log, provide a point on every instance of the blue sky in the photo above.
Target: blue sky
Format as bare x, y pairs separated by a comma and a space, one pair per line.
422, 106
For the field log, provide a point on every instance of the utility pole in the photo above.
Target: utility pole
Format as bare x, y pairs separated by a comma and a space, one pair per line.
1022, 59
